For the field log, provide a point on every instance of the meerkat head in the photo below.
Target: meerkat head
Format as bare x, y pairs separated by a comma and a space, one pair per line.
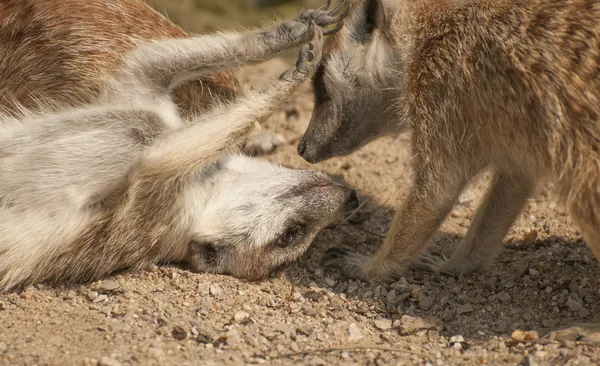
354, 86
256, 216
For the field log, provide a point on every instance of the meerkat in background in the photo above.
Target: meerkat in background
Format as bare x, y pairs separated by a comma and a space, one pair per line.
508, 84
59, 53
125, 181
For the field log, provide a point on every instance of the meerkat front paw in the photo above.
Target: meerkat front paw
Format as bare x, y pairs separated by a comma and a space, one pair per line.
428, 262
360, 266
308, 59
301, 30
459, 265
351, 263
324, 17
262, 142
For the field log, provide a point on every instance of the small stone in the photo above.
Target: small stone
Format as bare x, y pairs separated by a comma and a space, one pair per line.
525, 336
410, 324
354, 333
383, 324
391, 297
531, 236
574, 305
504, 297
71, 294
466, 196
107, 361
457, 339
336, 302
204, 288
151, 267
283, 328
233, 338
426, 303
100, 298
179, 333
241, 317
533, 272
109, 285
215, 290
465, 308
345, 165
92, 295
583, 313
330, 282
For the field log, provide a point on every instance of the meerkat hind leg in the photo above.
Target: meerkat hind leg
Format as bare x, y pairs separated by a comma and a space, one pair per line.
503, 203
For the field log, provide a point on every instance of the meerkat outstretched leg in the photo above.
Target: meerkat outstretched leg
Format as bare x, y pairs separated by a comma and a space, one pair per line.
420, 215
208, 137
160, 66
505, 200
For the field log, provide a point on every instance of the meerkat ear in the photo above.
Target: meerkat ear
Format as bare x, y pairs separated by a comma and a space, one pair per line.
373, 18
375, 15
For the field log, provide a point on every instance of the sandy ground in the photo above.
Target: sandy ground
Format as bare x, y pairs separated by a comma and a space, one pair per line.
305, 314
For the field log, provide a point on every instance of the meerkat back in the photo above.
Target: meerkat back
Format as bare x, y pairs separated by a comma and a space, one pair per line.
57, 53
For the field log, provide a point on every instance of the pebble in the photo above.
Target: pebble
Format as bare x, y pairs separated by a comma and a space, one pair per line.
179, 333
100, 298
584, 313
391, 297
354, 333
109, 285
504, 297
336, 302
410, 324
383, 324
531, 236
330, 281
466, 196
108, 361
215, 290
525, 336
241, 317
574, 305
283, 328
465, 308
204, 288
426, 303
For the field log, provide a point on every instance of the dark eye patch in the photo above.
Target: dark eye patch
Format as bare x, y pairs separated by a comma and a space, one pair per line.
291, 236
319, 84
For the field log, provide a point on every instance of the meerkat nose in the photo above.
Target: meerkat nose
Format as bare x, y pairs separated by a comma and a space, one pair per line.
352, 201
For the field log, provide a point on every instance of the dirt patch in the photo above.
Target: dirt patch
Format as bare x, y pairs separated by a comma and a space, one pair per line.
545, 278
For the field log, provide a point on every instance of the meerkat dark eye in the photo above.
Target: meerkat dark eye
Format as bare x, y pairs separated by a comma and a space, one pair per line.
319, 84
291, 236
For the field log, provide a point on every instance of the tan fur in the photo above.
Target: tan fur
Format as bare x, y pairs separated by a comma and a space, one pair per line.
60, 51
508, 84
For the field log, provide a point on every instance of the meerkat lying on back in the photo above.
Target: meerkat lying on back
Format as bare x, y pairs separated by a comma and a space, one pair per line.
60, 52
125, 181
511, 84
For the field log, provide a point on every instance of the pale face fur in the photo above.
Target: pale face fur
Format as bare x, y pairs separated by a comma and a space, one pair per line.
355, 89
274, 217
127, 180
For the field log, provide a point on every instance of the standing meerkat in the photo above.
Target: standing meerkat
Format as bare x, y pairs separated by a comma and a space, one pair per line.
125, 181
60, 53
508, 84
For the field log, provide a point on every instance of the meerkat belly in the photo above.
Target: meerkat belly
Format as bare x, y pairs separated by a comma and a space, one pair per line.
60, 162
